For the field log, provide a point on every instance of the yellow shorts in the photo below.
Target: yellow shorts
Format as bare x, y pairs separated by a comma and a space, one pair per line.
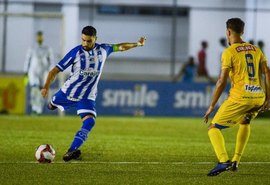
229, 114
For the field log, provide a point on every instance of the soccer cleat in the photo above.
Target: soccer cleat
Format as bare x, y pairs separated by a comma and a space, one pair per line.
75, 154
234, 167
220, 167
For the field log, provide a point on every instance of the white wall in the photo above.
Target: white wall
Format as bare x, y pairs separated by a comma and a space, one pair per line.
21, 32
154, 58
212, 3
263, 32
1, 35
132, 2
19, 35
206, 22
191, 3
262, 28
209, 26
129, 29
71, 26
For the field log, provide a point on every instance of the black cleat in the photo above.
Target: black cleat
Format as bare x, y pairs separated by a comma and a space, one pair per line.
234, 167
75, 154
220, 167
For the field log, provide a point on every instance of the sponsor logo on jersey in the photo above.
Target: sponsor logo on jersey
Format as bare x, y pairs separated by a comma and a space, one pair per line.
253, 88
89, 72
72, 99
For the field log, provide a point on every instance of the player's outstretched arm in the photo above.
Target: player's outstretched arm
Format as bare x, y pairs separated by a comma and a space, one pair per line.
127, 45
51, 76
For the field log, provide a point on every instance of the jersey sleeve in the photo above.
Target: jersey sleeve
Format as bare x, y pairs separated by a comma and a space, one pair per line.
263, 58
68, 59
108, 48
27, 60
226, 60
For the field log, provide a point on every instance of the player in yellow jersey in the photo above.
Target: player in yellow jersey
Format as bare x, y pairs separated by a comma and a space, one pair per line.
247, 68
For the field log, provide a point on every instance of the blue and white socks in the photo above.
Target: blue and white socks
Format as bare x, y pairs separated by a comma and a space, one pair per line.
82, 134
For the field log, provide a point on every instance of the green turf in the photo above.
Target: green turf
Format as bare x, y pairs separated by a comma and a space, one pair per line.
127, 151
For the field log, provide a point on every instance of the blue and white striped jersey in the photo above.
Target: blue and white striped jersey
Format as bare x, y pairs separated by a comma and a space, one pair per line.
86, 70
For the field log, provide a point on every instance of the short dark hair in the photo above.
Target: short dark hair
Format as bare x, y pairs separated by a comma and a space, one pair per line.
204, 44
260, 43
89, 30
39, 33
236, 24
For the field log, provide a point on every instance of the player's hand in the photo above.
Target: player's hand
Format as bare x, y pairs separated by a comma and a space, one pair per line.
44, 92
266, 106
25, 80
207, 113
141, 41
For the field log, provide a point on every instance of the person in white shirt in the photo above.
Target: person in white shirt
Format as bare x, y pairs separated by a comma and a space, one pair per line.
38, 62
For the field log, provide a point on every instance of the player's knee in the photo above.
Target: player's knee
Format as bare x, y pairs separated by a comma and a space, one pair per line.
51, 107
247, 119
88, 122
211, 125
218, 126
86, 116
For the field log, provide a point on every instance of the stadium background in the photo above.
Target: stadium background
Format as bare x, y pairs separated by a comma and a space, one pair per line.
137, 82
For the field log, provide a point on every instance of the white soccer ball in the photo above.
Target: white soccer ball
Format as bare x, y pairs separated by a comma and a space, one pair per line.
45, 153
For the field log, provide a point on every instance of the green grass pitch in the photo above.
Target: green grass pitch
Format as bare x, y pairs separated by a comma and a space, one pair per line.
127, 150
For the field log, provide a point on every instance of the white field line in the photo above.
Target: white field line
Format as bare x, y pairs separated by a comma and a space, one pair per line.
130, 162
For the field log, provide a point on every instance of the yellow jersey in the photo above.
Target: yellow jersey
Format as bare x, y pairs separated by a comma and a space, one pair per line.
244, 61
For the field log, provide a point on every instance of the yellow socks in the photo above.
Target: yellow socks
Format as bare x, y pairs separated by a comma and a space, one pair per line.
218, 143
241, 141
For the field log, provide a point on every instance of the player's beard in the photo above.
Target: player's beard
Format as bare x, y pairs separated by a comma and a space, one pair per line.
86, 48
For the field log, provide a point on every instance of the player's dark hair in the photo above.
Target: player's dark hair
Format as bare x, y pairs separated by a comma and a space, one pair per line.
204, 44
236, 24
39, 33
89, 30
260, 43
222, 41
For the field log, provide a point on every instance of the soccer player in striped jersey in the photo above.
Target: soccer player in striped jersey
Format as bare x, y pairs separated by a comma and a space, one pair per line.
247, 68
80, 89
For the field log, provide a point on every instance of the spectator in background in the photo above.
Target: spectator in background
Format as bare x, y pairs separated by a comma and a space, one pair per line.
223, 45
251, 41
261, 45
201, 70
187, 71
38, 61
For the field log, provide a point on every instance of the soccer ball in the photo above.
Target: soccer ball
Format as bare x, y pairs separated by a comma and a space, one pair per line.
45, 153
